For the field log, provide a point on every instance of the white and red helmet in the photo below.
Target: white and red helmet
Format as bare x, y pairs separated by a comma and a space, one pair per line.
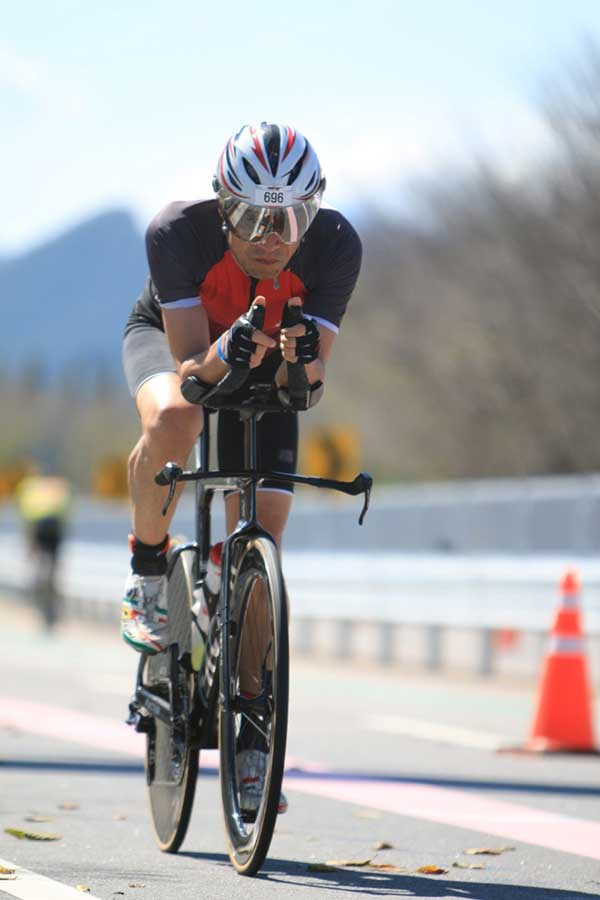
268, 179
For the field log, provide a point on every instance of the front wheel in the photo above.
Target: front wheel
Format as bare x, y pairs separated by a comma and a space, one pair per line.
253, 716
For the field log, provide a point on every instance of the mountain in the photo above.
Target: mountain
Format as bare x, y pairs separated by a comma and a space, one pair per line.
66, 301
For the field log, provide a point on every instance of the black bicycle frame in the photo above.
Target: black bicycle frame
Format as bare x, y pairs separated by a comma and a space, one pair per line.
207, 483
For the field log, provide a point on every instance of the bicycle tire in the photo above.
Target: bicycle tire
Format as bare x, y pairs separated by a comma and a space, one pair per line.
249, 841
171, 770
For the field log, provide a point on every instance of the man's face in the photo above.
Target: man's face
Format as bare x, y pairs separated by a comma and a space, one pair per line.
265, 259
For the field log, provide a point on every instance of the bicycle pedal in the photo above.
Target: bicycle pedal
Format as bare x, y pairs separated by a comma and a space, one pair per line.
140, 722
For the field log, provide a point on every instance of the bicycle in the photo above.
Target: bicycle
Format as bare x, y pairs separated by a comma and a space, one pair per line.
183, 711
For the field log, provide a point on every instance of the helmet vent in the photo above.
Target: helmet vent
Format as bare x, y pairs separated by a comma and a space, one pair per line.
251, 171
272, 139
312, 182
295, 171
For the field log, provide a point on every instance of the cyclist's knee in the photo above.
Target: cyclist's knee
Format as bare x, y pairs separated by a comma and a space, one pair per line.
172, 425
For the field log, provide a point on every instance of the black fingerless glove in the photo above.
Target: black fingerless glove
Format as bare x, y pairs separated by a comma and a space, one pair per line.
239, 346
308, 345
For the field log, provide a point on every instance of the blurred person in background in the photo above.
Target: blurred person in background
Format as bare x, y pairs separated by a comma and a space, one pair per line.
262, 239
44, 502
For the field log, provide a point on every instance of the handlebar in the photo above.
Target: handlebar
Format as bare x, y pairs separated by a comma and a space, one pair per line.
171, 473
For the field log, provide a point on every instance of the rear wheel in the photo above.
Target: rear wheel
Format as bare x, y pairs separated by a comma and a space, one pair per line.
171, 761
256, 720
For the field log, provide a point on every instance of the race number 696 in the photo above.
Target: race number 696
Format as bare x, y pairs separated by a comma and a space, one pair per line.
273, 196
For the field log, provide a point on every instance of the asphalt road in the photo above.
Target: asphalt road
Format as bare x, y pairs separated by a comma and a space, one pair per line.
373, 757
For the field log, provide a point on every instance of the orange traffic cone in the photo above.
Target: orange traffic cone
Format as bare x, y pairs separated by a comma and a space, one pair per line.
563, 719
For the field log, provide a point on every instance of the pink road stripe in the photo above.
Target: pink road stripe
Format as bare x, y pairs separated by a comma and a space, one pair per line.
461, 809
99, 732
70, 725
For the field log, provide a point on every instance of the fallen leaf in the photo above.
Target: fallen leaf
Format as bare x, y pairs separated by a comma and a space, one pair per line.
7, 874
83, 888
32, 835
382, 845
462, 865
338, 863
68, 806
488, 851
320, 867
35, 818
431, 870
387, 867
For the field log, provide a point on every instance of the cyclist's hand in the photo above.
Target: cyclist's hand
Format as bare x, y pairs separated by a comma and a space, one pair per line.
300, 343
245, 346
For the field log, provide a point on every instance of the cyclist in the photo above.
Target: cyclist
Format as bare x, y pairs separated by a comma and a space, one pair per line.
263, 239
43, 502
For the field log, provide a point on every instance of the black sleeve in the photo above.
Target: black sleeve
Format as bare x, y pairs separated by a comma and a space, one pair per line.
172, 251
339, 259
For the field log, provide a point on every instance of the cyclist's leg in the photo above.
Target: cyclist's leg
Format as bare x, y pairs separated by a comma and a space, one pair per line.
170, 426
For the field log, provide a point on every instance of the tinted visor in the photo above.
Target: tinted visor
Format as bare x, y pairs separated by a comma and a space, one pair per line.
254, 223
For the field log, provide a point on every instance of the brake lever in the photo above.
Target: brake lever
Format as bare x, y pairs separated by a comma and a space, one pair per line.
168, 475
367, 484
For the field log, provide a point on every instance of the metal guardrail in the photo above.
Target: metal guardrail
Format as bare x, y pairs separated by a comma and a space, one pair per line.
554, 515
470, 612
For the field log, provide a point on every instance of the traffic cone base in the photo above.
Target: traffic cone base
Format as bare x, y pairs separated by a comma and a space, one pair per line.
563, 718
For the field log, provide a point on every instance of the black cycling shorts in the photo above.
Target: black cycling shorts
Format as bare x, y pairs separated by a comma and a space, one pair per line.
146, 353
47, 534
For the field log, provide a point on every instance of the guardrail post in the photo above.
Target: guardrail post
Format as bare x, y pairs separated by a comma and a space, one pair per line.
343, 639
486, 652
385, 644
434, 647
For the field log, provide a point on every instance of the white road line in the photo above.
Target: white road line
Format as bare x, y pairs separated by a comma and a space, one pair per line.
436, 731
31, 886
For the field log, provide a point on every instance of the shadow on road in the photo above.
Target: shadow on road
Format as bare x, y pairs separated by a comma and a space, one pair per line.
380, 884
101, 767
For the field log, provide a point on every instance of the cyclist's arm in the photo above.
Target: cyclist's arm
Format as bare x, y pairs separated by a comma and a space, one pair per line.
188, 334
189, 340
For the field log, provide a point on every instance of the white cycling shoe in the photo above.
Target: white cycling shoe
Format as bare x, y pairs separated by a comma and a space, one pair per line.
144, 624
251, 768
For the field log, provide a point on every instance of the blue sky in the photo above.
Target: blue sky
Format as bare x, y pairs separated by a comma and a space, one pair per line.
129, 103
